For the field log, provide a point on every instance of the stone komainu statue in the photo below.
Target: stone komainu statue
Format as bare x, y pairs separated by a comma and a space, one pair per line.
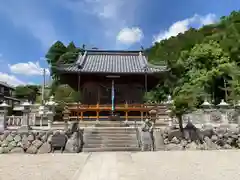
147, 136
192, 133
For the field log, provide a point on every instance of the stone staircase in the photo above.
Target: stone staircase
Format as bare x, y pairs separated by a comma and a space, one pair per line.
99, 139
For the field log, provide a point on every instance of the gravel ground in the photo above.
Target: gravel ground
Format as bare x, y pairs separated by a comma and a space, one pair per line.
171, 165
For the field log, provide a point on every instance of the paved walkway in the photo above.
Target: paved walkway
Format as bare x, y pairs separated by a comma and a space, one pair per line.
181, 165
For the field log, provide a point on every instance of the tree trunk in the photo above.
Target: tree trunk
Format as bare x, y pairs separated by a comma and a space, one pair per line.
180, 123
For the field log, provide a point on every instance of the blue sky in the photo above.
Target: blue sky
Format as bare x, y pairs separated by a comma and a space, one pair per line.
29, 27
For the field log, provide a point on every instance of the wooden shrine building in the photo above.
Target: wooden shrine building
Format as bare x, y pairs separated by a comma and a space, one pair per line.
110, 82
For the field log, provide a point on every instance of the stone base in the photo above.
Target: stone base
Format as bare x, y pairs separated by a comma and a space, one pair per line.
209, 139
32, 142
2, 128
147, 143
24, 129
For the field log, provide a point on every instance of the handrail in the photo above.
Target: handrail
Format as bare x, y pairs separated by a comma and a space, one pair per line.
126, 105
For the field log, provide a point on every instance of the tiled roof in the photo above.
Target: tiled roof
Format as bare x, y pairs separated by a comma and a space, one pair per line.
96, 61
6, 85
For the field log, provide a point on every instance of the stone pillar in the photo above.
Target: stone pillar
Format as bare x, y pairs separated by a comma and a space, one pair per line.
169, 104
237, 108
50, 116
41, 113
3, 115
224, 111
51, 111
170, 120
207, 112
25, 120
158, 139
66, 114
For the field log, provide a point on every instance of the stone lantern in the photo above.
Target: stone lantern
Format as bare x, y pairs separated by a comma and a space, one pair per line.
51, 104
207, 108
26, 111
224, 111
169, 101
169, 104
3, 113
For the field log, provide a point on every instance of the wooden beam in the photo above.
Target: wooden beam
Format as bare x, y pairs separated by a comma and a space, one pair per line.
97, 115
81, 115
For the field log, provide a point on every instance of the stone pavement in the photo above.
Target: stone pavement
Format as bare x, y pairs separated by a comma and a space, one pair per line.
171, 165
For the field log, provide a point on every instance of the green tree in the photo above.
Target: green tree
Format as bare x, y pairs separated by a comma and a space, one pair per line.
201, 67
53, 55
58, 53
71, 55
65, 94
29, 92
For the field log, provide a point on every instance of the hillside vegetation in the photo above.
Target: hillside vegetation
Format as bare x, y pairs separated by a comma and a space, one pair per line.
203, 63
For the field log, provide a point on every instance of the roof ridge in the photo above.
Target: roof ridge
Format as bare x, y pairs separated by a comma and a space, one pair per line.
113, 52
105, 50
143, 61
81, 61
4, 83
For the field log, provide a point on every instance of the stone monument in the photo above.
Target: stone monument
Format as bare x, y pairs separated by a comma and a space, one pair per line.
25, 120
51, 111
3, 113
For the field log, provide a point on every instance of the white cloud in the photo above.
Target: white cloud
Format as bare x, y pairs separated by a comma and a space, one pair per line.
184, 25
208, 19
10, 79
113, 15
130, 35
30, 16
29, 68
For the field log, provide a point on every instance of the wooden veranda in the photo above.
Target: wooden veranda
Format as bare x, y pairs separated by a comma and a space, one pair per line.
102, 111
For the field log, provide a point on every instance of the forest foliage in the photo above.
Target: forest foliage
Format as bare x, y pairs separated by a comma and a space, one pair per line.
203, 63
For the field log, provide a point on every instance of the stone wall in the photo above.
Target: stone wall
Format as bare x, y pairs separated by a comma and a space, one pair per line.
208, 139
36, 142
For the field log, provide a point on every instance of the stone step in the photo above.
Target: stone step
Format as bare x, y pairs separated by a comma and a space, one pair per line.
110, 133
120, 138
110, 139
111, 149
114, 137
107, 141
110, 128
111, 145
110, 125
